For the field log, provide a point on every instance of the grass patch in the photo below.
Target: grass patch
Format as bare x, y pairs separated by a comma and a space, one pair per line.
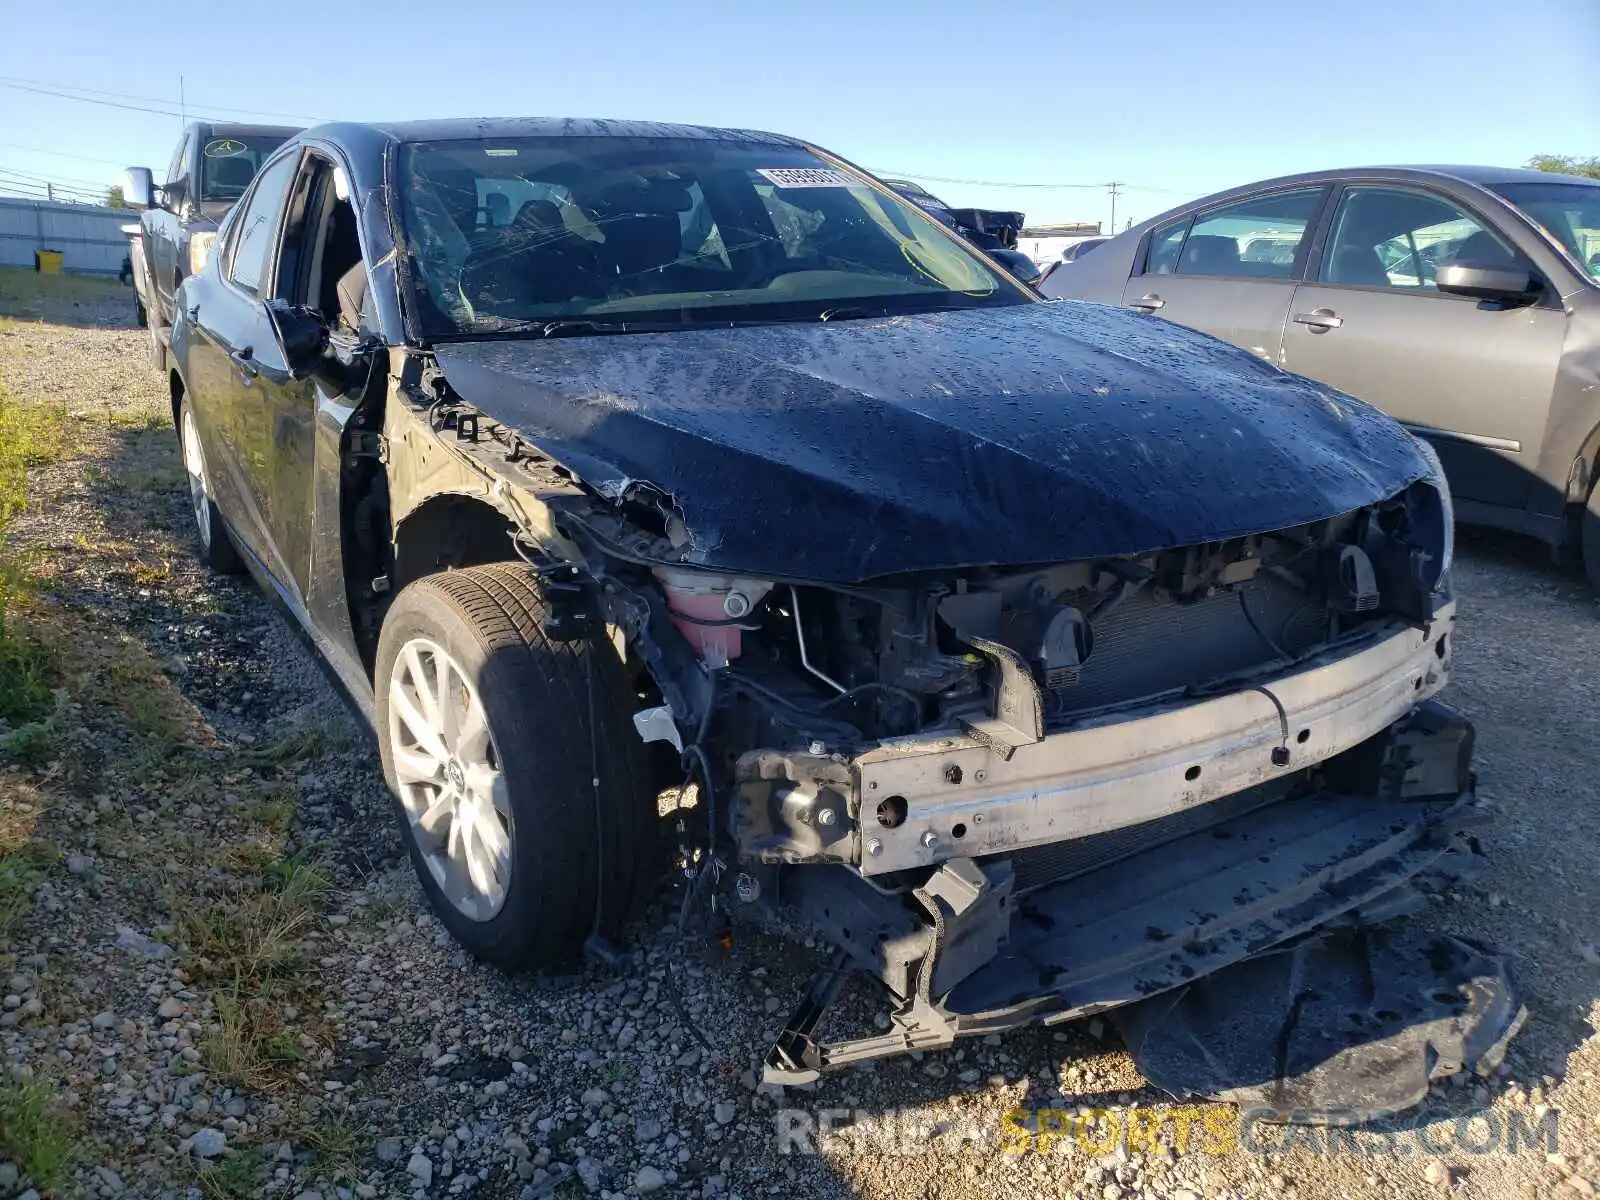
233, 1177
34, 1133
248, 946
29, 437
270, 809
24, 858
28, 670
339, 1146
297, 746
24, 291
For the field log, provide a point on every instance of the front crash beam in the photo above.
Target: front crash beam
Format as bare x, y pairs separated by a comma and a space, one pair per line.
1151, 922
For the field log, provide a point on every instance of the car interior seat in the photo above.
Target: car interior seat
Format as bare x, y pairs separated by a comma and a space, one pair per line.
638, 245
1209, 254
536, 260
1483, 249
1356, 264
229, 175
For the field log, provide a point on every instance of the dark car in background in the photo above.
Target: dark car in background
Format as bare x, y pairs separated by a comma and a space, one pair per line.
1034, 684
991, 230
210, 169
1465, 301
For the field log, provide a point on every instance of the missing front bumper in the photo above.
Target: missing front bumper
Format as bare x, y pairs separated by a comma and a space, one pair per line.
911, 803
986, 958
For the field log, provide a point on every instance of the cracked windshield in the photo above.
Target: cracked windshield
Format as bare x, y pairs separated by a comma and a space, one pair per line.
527, 232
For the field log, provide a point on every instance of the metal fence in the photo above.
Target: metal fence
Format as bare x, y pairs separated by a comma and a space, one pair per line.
89, 236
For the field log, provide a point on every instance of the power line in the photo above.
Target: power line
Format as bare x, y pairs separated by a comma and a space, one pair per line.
66, 91
980, 182
53, 178
25, 177
113, 162
999, 183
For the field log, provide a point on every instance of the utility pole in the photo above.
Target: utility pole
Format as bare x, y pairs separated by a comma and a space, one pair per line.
1112, 188
49, 192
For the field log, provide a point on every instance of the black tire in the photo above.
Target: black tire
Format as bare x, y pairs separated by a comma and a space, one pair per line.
1591, 537
213, 541
559, 714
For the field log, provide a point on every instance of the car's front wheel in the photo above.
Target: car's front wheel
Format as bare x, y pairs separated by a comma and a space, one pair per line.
521, 784
216, 544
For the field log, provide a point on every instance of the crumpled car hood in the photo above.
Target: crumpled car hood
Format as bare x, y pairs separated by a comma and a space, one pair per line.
848, 450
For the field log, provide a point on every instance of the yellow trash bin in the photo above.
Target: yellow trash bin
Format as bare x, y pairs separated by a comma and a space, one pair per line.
48, 262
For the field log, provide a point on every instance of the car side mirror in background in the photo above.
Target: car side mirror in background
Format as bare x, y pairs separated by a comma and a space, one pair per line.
1509, 285
138, 188
302, 335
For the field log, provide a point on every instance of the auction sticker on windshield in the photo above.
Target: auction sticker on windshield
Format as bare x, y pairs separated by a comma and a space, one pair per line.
807, 177
223, 148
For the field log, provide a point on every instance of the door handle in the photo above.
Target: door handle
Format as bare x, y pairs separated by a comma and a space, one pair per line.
245, 361
1319, 320
1148, 303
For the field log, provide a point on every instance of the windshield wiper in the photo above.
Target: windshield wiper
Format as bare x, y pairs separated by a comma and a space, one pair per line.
849, 312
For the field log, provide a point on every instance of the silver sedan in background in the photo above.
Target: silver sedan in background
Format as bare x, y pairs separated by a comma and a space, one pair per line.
1464, 301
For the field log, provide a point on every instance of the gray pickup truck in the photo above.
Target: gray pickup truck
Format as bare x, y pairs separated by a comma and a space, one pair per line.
210, 170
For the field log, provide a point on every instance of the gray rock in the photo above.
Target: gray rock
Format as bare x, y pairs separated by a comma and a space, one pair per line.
389, 1149
646, 1129
649, 1180
589, 1174
30, 1194
725, 1111
111, 1180
138, 944
420, 1168
79, 864
593, 1098
9, 1174
209, 1143
308, 1196
170, 1008
104, 1020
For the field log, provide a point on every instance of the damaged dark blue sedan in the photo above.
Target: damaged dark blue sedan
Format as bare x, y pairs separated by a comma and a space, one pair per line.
1041, 660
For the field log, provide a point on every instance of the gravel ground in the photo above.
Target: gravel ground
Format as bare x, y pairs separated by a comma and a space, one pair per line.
227, 984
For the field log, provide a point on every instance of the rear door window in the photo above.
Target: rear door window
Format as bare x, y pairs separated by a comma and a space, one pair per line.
1166, 244
1259, 238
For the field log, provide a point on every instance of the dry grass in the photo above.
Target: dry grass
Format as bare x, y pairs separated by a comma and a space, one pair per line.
246, 948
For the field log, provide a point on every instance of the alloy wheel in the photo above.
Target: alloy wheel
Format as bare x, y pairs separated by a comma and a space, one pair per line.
449, 780
194, 465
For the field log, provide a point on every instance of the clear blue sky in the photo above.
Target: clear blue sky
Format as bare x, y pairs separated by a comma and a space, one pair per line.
1181, 95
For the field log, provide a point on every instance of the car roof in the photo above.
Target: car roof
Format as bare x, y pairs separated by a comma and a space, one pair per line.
1476, 176
451, 129
1471, 176
211, 128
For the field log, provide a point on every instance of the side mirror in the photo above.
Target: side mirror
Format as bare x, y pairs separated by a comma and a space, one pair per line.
1506, 284
138, 188
172, 194
302, 335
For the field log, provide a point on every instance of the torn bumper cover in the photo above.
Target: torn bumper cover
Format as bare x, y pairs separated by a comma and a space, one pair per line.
1123, 878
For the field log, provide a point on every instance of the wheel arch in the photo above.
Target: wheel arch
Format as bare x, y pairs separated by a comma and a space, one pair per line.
448, 531
176, 390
